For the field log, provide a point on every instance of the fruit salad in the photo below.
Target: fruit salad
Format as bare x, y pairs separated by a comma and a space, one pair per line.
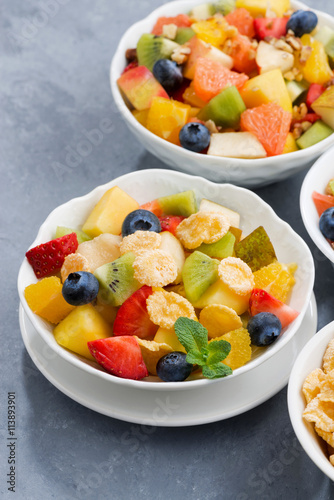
171, 288
324, 203
236, 78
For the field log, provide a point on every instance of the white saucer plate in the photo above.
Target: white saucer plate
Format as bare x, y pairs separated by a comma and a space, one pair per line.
169, 408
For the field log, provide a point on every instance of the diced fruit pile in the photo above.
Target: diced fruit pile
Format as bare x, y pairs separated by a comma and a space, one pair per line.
236, 78
324, 203
168, 288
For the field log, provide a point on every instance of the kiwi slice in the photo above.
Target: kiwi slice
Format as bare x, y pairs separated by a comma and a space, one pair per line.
220, 249
116, 280
62, 231
199, 272
183, 203
183, 35
151, 48
256, 249
225, 109
318, 132
225, 6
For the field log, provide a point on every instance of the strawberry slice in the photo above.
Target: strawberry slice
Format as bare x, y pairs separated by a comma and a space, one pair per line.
132, 317
170, 223
49, 257
270, 26
322, 201
262, 301
315, 90
120, 356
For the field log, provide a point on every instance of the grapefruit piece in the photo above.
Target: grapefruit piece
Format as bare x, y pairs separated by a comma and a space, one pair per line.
242, 20
270, 124
212, 77
322, 201
243, 54
181, 21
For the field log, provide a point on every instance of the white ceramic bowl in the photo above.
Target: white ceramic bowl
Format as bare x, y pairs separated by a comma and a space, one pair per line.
149, 184
308, 360
316, 180
249, 173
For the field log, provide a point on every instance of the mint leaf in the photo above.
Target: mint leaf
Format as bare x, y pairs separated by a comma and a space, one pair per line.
192, 335
195, 358
217, 370
218, 350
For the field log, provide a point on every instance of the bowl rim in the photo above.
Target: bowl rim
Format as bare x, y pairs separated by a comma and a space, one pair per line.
97, 192
322, 337
210, 161
305, 199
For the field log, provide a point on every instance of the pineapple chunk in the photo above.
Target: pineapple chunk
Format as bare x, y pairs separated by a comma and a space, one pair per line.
260, 7
265, 88
166, 115
219, 293
109, 213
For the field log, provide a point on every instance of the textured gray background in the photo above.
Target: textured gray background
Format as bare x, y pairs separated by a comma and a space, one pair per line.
54, 88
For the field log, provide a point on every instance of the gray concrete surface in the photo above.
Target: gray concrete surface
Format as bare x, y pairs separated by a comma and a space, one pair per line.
54, 88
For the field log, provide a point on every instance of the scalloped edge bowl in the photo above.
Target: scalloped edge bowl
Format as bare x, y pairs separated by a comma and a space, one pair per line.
248, 173
317, 179
308, 360
146, 185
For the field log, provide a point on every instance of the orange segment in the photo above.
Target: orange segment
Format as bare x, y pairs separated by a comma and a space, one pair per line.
211, 78
165, 115
241, 351
190, 97
45, 299
241, 19
181, 21
270, 124
211, 31
277, 279
316, 69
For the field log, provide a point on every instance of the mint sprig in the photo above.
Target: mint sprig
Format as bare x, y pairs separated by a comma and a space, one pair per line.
194, 338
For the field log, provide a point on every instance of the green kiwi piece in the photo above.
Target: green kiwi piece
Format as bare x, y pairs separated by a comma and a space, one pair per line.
62, 231
225, 109
183, 203
220, 249
198, 273
225, 6
151, 48
116, 280
256, 249
183, 35
318, 132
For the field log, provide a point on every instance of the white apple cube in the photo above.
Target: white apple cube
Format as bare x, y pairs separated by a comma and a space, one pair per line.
236, 145
269, 58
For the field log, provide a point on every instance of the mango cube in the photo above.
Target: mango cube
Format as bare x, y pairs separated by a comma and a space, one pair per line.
45, 299
169, 337
259, 7
166, 115
82, 325
265, 88
109, 213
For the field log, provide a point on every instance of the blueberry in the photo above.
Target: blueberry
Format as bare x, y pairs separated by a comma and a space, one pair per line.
173, 367
80, 288
326, 223
264, 328
140, 220
168, 74
194, 136
302, 21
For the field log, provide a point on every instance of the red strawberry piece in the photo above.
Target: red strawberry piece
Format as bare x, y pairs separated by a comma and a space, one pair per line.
170, 223
262, 301
322, 201
120, 356
131, 65
309, 117
132, 317
49, 257
315, 90
270, 26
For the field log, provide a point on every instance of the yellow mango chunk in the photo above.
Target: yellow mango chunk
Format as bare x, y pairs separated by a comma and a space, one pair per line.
109, 213
190, 97
316, 69
166, 115
290, 144
141, 116
265, 88
82, 325
259, 7
169, 337
212, 30
45, 299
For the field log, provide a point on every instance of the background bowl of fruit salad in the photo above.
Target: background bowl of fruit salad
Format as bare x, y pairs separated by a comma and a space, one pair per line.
309, 402
317, 202
203, 269
219, 90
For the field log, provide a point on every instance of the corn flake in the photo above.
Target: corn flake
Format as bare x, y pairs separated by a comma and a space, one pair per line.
202, 227
312, 384
219, 319
326, 436
321, 413
328, 360
140, 242
237, 275
164, 308
152, 351
155, 268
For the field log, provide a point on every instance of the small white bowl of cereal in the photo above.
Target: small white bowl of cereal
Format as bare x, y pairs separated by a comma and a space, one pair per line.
311, 399
158, 262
